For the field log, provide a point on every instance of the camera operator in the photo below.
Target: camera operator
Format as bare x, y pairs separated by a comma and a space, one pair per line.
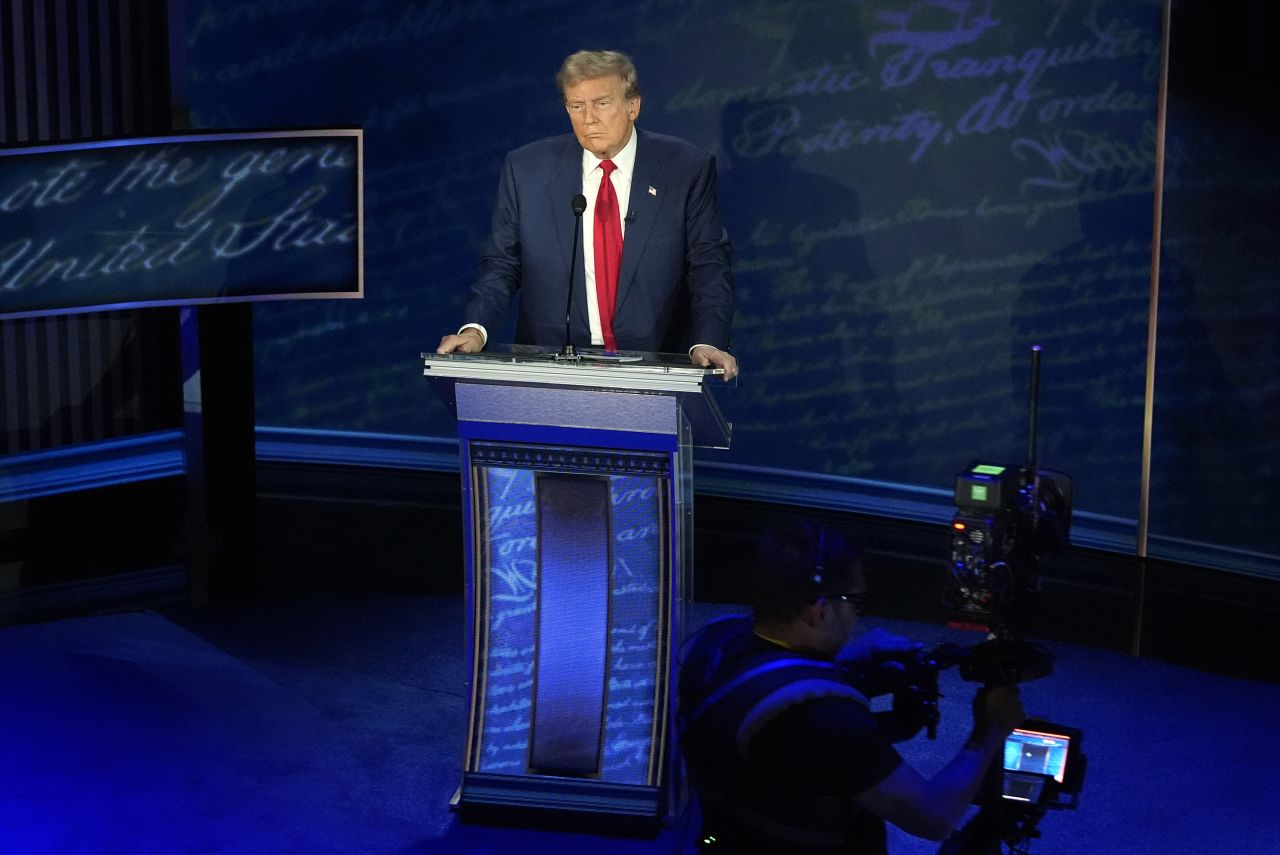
782, 747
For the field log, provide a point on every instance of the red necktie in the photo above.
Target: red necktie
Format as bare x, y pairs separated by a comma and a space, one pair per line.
607, 238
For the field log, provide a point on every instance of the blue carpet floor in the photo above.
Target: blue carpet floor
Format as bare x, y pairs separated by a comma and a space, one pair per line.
336, 726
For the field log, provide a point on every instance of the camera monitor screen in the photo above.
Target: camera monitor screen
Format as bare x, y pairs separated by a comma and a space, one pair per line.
1031, 759
1037, 752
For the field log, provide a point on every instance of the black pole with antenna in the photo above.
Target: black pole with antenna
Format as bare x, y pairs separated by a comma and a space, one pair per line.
1031, 473
1033, 395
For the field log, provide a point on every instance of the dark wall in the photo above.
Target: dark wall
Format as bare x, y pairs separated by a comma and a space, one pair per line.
1216, 464
348, 532
69, 71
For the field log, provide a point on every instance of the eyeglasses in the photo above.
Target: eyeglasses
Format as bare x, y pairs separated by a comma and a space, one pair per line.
860, 600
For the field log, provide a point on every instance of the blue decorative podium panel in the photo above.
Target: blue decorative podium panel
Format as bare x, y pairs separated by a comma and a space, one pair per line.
572, 583
573, 623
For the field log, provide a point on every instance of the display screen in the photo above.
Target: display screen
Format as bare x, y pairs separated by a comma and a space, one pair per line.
1038, 753
169, 220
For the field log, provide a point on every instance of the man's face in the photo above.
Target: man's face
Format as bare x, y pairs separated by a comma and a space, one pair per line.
601, 114
840, 615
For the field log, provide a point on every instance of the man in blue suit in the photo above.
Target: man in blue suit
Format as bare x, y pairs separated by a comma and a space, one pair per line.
673, 287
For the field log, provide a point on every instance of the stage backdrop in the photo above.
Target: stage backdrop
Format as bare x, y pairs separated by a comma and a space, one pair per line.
917, 192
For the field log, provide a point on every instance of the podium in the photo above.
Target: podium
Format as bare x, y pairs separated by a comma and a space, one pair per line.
577, 501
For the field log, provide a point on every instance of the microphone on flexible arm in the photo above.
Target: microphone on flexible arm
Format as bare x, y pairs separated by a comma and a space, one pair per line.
579, 204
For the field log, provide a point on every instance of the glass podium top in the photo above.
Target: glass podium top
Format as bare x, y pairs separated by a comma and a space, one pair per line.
626, 373
624, 370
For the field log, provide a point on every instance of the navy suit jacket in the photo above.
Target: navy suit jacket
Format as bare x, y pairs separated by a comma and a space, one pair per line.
675, 285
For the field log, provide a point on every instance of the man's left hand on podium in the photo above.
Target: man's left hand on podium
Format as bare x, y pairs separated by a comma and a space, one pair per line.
706, 356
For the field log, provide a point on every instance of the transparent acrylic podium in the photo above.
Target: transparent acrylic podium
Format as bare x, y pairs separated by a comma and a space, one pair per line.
578, 525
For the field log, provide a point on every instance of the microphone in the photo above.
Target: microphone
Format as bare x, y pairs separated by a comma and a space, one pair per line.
630, 217
579, 204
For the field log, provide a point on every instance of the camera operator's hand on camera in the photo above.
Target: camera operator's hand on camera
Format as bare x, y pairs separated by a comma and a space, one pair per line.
911, 713
879, 662
997, 710
879, 645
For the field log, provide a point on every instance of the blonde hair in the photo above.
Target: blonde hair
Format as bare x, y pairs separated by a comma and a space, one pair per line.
590, 64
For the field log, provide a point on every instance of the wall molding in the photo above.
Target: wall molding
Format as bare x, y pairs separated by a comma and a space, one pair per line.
160, 455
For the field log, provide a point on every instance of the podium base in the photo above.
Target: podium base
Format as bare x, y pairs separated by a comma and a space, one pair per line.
563, 804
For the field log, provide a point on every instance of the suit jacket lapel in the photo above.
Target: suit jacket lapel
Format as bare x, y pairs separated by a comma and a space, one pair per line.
643, 211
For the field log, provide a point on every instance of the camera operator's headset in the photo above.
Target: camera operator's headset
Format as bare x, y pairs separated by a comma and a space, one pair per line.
820, 556
821, 559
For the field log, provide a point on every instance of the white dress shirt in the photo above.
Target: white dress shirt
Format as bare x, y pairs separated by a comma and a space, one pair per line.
625, 163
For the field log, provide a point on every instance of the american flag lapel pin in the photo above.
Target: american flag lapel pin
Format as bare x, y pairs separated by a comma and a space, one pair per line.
653, 191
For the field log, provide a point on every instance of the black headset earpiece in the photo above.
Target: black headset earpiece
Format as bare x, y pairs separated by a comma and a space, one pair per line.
820, 558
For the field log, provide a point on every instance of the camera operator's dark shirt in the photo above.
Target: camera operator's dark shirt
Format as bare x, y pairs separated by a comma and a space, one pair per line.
818, 747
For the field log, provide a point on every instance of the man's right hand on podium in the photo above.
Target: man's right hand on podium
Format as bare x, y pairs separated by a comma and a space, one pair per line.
468, 340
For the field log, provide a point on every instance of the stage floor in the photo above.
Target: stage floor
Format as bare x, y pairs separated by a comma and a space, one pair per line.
335, 725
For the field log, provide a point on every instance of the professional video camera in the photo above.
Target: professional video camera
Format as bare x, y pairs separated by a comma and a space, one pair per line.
1043, 766
1005, 519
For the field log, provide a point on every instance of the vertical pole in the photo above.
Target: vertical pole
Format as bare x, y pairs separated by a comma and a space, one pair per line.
1033, 407
197, 512
218, 441
1148, 418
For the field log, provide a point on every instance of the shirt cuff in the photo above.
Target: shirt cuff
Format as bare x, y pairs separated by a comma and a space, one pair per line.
484, 335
